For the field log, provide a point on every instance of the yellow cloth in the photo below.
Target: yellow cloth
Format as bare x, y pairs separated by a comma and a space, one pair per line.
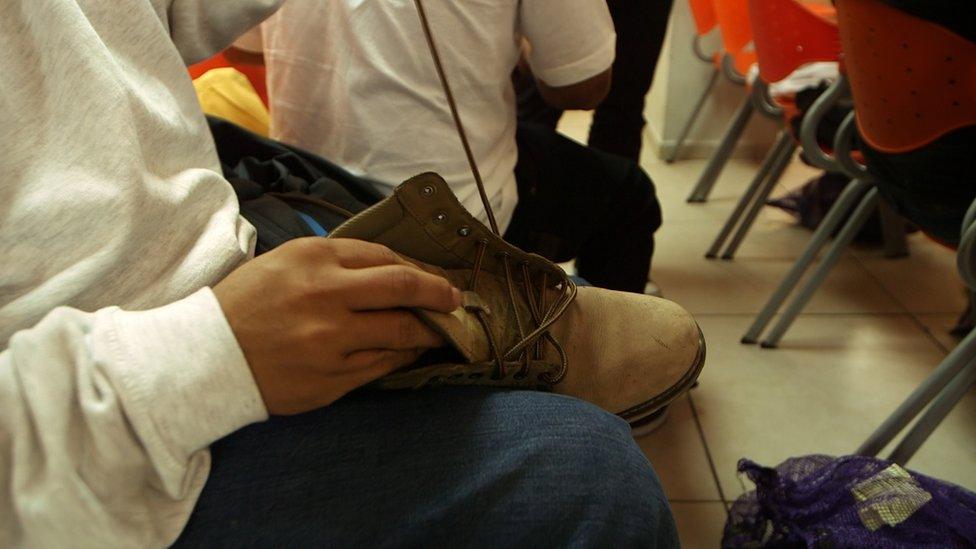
228, 94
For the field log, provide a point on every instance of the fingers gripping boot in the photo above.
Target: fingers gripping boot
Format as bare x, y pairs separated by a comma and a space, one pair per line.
523, 323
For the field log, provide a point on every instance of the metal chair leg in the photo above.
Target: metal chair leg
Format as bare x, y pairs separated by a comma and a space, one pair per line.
957, 360
780, 165
754, 186
893, 231
686, 129
724, 151
939, 409
843, 239
845, 202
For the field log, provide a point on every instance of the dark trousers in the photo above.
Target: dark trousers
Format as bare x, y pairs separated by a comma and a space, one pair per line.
578, 202
932, 186
619, 120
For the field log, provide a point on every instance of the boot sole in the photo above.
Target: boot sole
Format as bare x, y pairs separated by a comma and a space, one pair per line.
637, 413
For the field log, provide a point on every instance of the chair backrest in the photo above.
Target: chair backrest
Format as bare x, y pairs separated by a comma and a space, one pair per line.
733, 21
788, 34
703, 12
912, 81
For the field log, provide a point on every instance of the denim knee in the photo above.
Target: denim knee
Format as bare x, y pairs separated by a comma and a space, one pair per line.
615, 491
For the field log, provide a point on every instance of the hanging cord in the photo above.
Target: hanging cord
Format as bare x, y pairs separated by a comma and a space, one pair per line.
457, 117
543, 314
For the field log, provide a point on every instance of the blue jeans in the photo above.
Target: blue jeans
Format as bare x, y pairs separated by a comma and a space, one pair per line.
441, 467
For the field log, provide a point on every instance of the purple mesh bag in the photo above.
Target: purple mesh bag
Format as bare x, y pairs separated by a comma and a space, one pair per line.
851, 501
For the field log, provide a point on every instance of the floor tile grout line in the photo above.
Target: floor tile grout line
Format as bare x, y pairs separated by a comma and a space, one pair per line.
708, 451
915, 319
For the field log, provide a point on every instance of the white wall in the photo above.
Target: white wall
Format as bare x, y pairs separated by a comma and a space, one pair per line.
680, 79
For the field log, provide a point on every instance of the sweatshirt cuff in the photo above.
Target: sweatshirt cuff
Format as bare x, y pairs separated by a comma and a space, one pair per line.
182, 366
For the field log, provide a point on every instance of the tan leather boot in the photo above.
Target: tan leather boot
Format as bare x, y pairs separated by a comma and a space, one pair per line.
523, 322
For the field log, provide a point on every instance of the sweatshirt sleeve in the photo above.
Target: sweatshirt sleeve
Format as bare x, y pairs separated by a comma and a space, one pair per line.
202, 28
105, 420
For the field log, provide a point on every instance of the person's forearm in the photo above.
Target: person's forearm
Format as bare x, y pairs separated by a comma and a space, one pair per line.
105, 418
585, 95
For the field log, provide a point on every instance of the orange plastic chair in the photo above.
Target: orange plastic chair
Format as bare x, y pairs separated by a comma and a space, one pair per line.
737, 58
912, 82
703, 14
786, 36
733, 20
789, 34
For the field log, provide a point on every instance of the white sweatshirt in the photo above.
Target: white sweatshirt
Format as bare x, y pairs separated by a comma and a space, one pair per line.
111, 196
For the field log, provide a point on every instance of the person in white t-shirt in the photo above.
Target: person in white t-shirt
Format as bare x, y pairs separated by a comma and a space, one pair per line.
354, 82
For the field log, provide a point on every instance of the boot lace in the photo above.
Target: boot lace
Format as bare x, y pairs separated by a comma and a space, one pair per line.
531, 342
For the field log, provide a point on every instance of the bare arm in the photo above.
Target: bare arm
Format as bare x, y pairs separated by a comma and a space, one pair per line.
585, 95
570, 47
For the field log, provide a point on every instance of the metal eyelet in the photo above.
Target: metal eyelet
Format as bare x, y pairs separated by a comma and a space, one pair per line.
428, 191
464, 231
440, 217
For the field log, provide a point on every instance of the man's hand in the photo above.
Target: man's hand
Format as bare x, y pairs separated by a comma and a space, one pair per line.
317, 318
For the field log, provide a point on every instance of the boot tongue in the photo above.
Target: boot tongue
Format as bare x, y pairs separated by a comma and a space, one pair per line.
460, 328
491, 309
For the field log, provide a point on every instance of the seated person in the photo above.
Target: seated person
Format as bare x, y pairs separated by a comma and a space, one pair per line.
136, 332
618, 122
354, 82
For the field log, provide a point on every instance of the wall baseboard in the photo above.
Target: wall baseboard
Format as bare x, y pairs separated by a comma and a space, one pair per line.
692, 150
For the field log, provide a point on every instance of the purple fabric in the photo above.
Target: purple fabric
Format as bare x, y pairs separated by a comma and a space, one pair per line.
807, 501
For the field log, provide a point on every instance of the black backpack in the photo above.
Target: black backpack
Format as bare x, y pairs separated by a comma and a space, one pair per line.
286, 192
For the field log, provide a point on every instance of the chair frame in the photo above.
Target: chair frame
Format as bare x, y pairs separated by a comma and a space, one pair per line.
858, 197
696, 48
671, 155
952, 379
737, 126
858, 200
939, 393
771, 170
775, 163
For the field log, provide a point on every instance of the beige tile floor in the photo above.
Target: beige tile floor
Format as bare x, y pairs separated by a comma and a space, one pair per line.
873, 331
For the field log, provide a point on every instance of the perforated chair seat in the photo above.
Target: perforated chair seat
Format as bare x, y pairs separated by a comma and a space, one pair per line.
913, 81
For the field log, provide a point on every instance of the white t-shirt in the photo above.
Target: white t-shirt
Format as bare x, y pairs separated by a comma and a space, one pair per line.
353, 81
